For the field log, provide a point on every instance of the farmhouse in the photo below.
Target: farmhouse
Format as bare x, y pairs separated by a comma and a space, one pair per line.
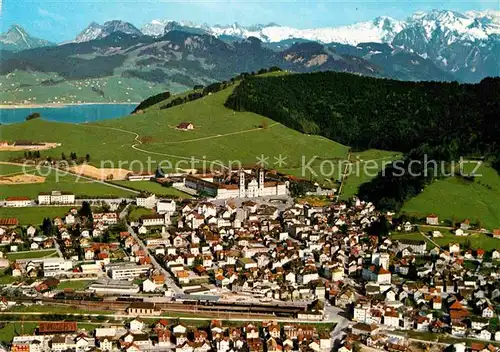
432, 219
17, 202
9, 222
185, 126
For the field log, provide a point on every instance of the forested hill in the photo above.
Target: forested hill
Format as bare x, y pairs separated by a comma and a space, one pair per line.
444, 119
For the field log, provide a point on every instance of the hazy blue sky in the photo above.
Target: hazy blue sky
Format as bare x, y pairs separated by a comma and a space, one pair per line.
61, 20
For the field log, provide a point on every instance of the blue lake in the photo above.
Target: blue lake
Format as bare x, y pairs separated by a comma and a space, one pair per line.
68, 113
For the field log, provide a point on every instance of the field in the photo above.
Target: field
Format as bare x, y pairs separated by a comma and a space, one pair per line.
74, 284
55, 180
32, 254
34, 215
456, 199
153, 187
135, 213
11, 329
475, 240
142, 142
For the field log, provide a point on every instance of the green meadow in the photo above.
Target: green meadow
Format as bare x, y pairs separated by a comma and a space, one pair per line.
55, 180
476, 240
456, 199
221, 135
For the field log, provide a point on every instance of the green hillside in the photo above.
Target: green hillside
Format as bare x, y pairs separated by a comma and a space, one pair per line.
220, 135
456, 199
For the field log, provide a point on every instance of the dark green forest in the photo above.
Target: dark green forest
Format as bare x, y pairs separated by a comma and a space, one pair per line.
365, 112
441, 121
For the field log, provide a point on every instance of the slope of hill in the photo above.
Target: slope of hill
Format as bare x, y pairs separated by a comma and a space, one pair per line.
366, 112
457, 199
221, 135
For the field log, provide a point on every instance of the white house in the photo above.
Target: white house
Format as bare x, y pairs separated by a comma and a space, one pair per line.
148, 286
165, 207
136, 325
146, 201
17, 202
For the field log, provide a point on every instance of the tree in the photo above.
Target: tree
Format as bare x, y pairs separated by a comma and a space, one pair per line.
85, 210
32, 116
63, 156
47, 226
87, 157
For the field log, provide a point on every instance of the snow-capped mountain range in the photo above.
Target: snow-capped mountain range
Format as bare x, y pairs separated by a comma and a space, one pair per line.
464, 45
472, 25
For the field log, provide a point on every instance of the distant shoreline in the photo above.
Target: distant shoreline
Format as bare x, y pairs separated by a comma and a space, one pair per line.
54, 105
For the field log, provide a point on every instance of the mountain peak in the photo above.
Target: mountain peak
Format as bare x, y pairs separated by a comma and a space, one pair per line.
96, 31
17, 38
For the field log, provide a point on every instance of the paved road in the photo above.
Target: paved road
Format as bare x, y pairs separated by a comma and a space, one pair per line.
57, 247
168, 278
333, 316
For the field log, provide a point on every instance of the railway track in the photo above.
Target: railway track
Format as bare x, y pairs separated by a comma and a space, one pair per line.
219, 308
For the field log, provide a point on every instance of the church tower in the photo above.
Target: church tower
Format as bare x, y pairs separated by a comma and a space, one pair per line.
241, 175
261, 181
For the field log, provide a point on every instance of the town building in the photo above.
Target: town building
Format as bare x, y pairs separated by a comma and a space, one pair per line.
124, 271
146, 200
56, 197
18, 202
239, 185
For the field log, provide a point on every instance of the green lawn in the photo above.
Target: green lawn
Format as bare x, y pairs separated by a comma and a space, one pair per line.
7, 278
34, 215
12, 329
135, 213
60, 181
74, 284
32, 254
153, 187
9, 170
456, 199
476, 240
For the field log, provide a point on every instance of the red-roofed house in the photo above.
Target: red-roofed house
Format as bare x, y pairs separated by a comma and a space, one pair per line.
185, 126
17, 202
